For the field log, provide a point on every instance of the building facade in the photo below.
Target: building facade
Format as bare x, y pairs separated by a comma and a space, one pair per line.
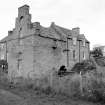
31, 49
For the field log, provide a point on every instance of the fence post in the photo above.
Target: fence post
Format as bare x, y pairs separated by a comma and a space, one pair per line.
81, 86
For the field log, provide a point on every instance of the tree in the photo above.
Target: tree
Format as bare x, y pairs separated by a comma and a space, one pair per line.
97, 52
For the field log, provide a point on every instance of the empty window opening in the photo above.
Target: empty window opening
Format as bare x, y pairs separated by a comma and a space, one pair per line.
19, 63
2, 46
55, 45
73, 54
21, 18
20, 28
84, 55
62, 70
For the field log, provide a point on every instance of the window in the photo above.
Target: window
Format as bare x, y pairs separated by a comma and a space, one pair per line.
21, 18
55, 45
74, 40
2, 46
2, 57
19, 60
84, 55
84, 42
21, 42
29, 25
73, 54
21, 35
20, 28
19, 64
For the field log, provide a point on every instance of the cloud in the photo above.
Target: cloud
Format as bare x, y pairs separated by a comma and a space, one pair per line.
89, 15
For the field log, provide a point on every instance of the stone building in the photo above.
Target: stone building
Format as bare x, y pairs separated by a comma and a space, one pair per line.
31, 49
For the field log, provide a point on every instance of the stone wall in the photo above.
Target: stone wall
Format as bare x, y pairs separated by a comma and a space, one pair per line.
45, 56
36, 50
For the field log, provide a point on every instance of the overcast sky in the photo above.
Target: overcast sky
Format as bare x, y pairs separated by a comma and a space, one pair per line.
89, 15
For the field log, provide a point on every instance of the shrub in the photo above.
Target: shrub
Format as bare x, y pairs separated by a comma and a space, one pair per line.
94, 89
97, 52
86, 65
48, 90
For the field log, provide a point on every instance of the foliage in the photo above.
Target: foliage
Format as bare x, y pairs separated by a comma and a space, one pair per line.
97, 52
84, 66
97, 92
100, 61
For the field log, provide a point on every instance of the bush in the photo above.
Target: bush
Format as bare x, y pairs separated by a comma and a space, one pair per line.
75, 88
86, 65
97, 52
94, 90
48, 90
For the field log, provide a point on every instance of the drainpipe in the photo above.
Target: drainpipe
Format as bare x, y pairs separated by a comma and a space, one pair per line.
6, 49
67, 54
79, 51
89, 49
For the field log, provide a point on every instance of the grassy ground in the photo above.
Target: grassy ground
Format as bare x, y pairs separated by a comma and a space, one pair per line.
26, 96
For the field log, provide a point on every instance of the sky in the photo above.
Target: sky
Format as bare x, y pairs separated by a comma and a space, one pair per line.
89, 15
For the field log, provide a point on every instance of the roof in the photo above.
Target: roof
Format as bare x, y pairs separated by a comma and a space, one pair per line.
64, 30
4, 39
54, 31
7, 38
82, 37
24, 6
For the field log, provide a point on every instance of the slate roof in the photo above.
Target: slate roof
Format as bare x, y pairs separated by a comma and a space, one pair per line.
54, 31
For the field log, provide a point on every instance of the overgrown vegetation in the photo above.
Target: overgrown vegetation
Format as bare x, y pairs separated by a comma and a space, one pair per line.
90, 85
97, 52
94, 89
98, 56
100, 61
85, 66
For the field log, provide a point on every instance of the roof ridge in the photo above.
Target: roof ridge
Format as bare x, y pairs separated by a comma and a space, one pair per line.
58, 31
65, 31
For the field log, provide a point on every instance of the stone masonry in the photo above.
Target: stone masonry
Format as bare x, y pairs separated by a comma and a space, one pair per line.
33, 50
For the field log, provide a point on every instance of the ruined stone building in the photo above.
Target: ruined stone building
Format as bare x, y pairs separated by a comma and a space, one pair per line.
31, 48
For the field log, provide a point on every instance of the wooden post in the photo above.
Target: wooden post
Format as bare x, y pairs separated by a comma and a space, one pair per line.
81, 86
6, 49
